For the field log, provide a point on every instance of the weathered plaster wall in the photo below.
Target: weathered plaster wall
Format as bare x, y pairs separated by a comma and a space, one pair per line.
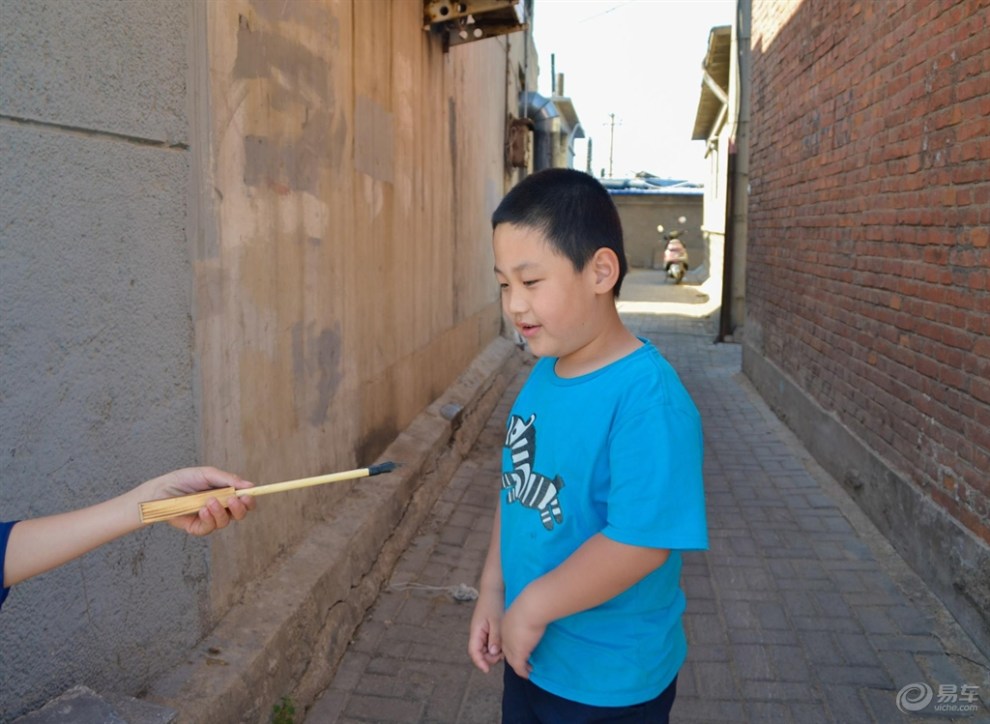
96, 389
352, 168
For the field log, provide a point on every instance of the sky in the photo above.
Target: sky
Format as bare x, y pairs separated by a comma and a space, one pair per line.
637, 59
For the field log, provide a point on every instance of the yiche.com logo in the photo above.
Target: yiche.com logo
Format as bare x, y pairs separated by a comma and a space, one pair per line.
914, 697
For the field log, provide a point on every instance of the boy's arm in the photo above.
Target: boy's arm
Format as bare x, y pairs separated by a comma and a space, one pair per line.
40, 544
598, 571
485, 639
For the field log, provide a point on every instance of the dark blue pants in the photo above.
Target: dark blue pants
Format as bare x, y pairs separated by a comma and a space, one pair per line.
525, 703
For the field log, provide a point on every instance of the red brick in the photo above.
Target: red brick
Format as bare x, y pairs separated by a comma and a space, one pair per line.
869, 252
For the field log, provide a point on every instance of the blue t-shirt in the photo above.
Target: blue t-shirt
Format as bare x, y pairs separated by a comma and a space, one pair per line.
4, 535
619, 452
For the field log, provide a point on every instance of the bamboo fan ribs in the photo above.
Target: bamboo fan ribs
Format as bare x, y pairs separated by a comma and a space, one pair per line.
153, 511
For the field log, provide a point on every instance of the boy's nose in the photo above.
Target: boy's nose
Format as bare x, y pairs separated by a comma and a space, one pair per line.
514, 303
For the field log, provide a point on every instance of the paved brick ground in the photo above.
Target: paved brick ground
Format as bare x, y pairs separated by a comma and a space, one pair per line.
800, 612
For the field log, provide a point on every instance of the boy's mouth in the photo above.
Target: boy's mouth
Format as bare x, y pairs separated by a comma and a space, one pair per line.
528, 330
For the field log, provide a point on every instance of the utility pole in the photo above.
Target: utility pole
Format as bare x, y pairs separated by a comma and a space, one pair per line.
611, 141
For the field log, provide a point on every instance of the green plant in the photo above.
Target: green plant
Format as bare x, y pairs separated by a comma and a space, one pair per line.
284, 712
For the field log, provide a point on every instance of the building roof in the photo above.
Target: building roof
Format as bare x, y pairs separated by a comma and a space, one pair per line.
651, 186
715, 69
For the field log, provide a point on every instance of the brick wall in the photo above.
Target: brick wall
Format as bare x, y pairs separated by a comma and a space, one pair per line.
868, 260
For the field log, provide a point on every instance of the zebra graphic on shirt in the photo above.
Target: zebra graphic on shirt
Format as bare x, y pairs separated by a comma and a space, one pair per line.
530, 488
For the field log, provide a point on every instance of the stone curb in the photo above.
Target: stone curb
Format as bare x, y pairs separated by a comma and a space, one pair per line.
291, 628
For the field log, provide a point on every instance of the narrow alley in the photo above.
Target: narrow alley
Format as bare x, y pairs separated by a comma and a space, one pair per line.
799, 612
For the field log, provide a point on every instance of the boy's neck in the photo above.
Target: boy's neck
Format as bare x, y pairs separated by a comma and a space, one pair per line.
613, 342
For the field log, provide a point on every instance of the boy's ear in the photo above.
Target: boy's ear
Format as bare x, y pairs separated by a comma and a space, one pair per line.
605, 267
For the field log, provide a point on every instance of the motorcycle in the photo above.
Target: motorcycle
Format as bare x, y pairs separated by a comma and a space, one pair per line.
675, 256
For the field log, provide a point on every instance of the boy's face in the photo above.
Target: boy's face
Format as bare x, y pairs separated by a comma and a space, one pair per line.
552, 304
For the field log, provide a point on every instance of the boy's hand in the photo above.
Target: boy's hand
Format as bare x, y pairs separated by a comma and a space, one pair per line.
521, 632
485, 640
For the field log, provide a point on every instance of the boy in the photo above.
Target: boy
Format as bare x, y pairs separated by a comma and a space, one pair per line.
580, 590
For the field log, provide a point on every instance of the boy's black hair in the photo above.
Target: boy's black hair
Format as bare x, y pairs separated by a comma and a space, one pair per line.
572, 209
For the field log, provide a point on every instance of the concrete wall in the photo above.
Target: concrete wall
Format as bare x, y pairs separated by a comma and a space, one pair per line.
96, 392
640, 215
252, 234
868, 269
713, 225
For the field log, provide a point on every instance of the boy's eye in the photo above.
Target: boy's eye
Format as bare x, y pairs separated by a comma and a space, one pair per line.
530, 282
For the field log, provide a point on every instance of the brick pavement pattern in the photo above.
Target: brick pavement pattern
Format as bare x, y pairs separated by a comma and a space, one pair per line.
799, 612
